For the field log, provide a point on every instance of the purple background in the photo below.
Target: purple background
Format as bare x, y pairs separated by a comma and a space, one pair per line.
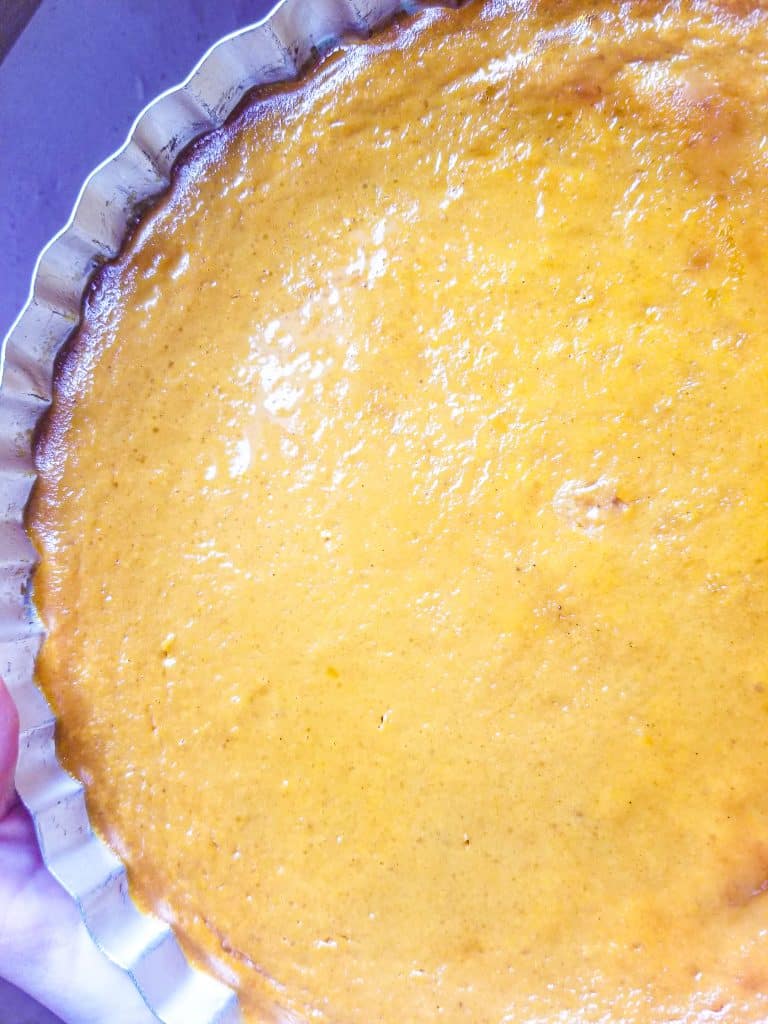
70, 88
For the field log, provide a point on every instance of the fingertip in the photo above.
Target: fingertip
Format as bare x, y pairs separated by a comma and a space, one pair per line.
9, 746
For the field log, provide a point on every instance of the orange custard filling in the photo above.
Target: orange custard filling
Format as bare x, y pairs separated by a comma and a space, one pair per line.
403, 516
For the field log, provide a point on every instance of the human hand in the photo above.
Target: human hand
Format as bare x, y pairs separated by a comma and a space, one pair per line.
45, 949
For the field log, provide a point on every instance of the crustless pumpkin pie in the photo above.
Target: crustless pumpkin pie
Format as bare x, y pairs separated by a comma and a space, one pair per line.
403, 519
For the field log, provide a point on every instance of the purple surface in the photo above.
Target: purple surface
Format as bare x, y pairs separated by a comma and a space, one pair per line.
16, 1008
70, 89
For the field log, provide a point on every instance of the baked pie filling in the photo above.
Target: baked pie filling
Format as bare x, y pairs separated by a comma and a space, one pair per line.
403, 518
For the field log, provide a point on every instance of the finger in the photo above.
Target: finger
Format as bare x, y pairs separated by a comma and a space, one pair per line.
44, 947
9, 747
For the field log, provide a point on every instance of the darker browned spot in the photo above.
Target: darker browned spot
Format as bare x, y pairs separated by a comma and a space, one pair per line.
749, 876
754, 981
701, 258
472, 946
